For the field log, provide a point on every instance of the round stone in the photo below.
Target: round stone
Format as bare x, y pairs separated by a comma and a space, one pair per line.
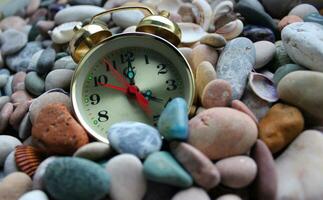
12, 41
192, 193
288, 20
217, 93
265, 51
59, 78
205, 73
14, 186
94, 151
34, 84
46, 61
33, 195
302, 10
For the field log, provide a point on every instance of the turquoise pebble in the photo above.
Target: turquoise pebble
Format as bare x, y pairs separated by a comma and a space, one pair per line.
163, 168
135, 138
173, 121
76, 179
284, 70
314, 17
34, 84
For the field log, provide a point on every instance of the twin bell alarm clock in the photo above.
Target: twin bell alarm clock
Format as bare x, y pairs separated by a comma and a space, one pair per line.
127, 76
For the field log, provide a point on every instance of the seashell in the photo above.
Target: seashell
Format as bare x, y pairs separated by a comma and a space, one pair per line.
220, 10
213, 40
263, 87
171, 6
203, 13
191, 33
28, 159
186, 12
231, 30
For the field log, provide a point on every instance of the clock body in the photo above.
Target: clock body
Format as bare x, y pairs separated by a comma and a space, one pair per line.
155, 66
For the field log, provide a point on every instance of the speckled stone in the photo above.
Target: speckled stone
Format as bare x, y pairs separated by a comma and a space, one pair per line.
63, 181
235, 64
135, 138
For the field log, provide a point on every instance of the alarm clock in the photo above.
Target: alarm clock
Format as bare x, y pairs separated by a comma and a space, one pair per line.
127, 76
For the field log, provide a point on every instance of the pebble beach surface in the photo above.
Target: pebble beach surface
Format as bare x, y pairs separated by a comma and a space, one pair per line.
257, 133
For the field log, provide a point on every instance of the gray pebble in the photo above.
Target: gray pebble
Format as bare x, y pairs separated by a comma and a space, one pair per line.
59, 78
20, 61
25, 127
34, 60
94, 151
4, 71
7, 145
10, 164
34, 195
8, 87
46, 61
38, 176
86, 2
66, 62
4, 100
12, 41
3, 80
34, 84
13, 7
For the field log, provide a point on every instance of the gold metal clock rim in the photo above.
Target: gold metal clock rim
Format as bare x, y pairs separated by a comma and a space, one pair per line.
73, 88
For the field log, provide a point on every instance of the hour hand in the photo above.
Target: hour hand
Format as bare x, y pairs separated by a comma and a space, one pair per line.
149, 96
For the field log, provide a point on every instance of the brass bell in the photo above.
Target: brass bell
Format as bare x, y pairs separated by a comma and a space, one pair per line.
162, 26
87, 37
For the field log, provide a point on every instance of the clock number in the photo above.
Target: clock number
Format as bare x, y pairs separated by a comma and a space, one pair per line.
100, 79
171, 85
146, 60
127, 57
95, 99
162, 69
103, 116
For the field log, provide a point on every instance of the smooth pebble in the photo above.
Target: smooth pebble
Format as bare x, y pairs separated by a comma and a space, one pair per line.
14, 186
94, 151
59, 78
193, 193
265, 51
33, 195
12, 41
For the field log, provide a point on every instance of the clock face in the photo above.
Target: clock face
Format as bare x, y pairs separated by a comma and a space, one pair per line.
129, 77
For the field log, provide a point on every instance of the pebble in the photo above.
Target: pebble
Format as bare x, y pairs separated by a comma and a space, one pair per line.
78, 13
18, 81
34, 84
204, 173
63, 180
288, 20
12, 22
94, 151
3, 101
193, 193
265, 51
59, 78
202, 53
38, 182
281, 57
219, 140
10, 164
46, 99
231, 30
86, 2
44, 27
265, 184
57, 132
64, 33
3, 80
282, 71
217, 93
135, 138
24, 130
126, 172
235, 63
314, 17
20, 96
258, 33
205, 73
303, 42
257, 105
46, 61
13, 7
240, 106
12, 41
34, 60
14, 186
281, 125
277, 8
66, 62
163, 168
8, 87
291, 90
125, 19
33, 195
173, 121
302, 10
159, 191
214, 40
18, 114
5, 113
237, 171
299, 168
20, 60
229, 197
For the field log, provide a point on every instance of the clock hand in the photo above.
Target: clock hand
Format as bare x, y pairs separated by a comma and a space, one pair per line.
148, 95
114, 87
130, 73
131, 89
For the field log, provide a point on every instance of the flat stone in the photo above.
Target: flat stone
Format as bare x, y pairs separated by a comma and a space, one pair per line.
66, 62
163, 168
63, 180
126, 172
12, 41
15, 185
135, 138
193, 193
235, 63
299, 168
173, 121
34, 84
303, 42
59, 78
20, 60
204, 173
94, 151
